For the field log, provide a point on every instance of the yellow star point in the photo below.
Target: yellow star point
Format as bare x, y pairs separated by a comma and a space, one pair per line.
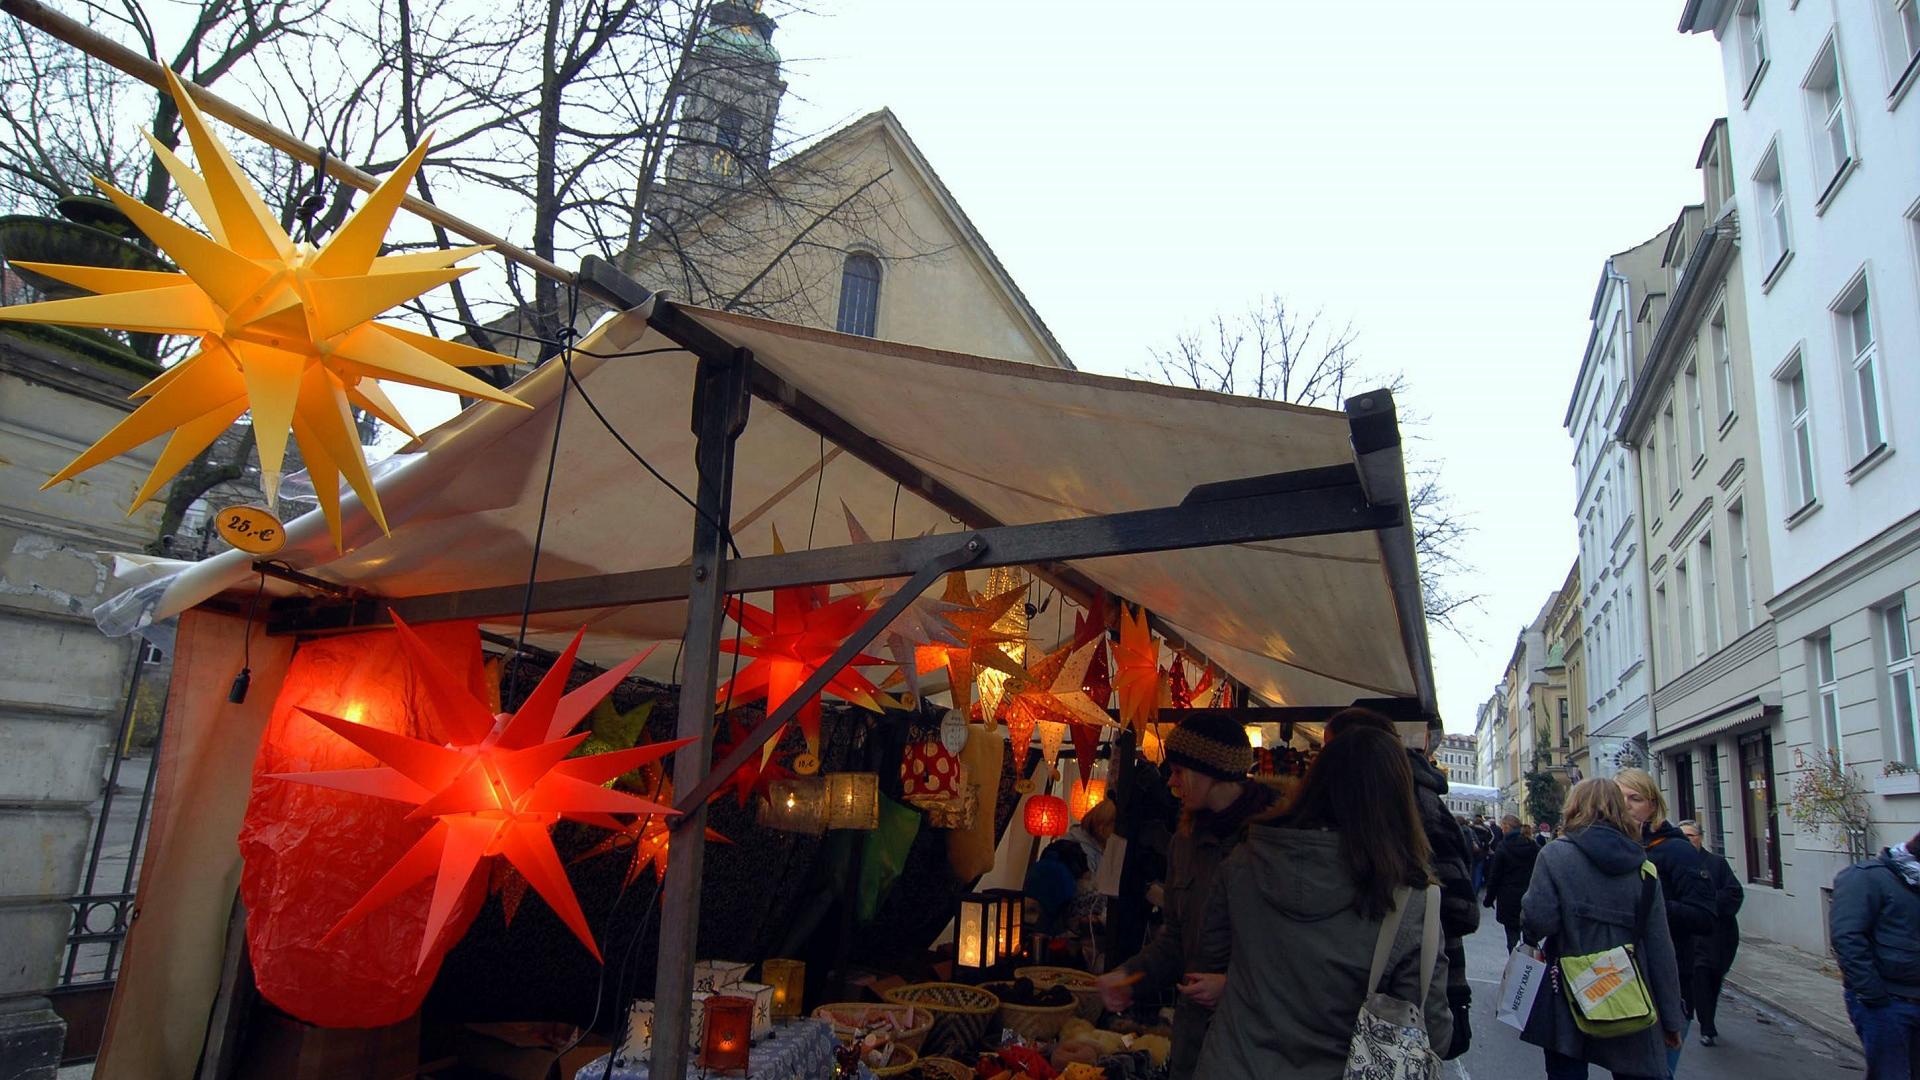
285, 330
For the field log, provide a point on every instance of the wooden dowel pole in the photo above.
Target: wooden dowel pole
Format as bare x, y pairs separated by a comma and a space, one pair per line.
114, 54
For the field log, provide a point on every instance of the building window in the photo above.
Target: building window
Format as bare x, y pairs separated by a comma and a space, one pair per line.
1685, 807
1742, 562
1722, 343
1669, 432
1679, 260
1770, 193
1866, 426
859, 295
731, 130
1709, 594
1686, 646
1826, 694
1827, 111
1791, 383
1903, 701
1662, 648
1710, 779
1696, 414
1900, 29
1758, 810
1752, 37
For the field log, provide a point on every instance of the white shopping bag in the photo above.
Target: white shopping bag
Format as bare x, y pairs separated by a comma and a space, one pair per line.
1519, 985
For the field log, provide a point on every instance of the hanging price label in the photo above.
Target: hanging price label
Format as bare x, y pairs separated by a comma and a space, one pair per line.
252, 529
953, 731
806, 764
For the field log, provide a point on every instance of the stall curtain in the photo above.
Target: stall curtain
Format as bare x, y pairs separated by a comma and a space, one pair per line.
170, 976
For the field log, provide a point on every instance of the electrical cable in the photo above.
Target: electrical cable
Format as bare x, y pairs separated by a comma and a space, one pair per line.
546, 497
819, 481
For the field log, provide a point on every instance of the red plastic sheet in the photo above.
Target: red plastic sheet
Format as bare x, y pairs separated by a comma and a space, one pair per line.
311, 853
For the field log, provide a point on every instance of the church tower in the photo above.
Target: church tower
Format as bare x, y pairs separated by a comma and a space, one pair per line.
727, 112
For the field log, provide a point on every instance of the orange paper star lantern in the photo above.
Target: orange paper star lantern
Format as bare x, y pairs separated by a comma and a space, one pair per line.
1136, 663
495, 790
1049, 696
285, 330
648, 837
981, 642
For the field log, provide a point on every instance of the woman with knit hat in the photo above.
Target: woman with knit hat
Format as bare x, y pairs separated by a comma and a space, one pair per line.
1210, 758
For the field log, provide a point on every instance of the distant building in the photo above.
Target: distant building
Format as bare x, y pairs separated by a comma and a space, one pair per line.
1459, 757
1569, 717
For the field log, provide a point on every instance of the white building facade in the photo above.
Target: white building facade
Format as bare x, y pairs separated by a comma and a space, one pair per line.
1626, 305
1459, 757
1824, 125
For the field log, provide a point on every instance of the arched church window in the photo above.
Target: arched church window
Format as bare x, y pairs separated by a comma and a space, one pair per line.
731, 131
859, 295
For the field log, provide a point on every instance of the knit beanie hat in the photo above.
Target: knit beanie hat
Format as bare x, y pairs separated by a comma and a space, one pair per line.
1211, 744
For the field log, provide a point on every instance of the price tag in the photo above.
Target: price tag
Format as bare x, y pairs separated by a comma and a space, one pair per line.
1023, 786
252, 529
806, 764
953, 731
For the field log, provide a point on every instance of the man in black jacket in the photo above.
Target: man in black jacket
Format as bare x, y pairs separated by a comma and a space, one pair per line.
1875, 926
1509, 874
1713, 954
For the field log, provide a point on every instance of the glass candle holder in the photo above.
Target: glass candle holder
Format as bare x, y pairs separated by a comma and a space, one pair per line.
789, 981
853, 800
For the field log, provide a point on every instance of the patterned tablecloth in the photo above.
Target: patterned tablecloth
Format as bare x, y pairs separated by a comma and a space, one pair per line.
799, 1050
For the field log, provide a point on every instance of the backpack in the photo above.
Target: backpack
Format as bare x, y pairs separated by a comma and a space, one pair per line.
1390, 1035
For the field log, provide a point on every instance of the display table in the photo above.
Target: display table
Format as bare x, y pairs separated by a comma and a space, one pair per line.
797, 1050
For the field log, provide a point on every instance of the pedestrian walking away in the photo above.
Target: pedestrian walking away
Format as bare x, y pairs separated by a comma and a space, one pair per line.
1875, 927
1210, 758
1591, 892
1299, 908
1684, 882
1508, 875
1713, 954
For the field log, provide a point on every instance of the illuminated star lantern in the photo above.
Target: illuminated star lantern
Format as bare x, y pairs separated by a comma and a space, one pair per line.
1049, 695
648, 837
285, 330
495, 790
925, 622
1090, 627
980, 640
790, 643
1136, 662
1178, 696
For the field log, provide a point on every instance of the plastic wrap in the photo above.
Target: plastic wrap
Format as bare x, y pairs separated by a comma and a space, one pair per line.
311, 853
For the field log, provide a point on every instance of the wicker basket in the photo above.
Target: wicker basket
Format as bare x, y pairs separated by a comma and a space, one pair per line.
850, 1020
1086, 993
1034, 1022
902, 1060
961, 1014
947, 1067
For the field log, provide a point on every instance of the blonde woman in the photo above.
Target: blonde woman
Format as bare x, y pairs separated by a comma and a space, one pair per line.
1588, 895
1684, 878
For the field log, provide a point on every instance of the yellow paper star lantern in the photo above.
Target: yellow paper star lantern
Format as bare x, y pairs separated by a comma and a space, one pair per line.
285, 330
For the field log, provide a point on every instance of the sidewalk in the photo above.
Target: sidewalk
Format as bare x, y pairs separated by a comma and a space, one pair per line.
1798, 984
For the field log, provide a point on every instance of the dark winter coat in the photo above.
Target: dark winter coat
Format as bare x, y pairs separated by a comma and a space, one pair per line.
1716, 950
1584, 898
1193, 862
1508, 875
1450, 857
1687, 885
1875, 926
1284, 911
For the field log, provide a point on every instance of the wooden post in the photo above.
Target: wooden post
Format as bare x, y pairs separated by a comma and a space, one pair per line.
720, 402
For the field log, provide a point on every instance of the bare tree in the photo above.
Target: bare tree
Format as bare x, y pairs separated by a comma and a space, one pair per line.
1275, 352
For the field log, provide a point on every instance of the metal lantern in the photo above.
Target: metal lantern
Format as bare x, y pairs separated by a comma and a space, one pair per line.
789, 981
976, 933
729, 1033
1047, 816
796, 804
1012, 916
853, 800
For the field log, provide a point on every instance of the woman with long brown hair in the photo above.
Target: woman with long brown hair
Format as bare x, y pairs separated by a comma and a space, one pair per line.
1299, 907
1589, 894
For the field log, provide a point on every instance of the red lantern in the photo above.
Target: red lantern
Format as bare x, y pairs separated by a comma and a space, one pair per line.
729, 1033
1047, 816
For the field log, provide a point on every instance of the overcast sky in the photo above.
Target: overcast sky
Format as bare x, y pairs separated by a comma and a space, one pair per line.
1449, 176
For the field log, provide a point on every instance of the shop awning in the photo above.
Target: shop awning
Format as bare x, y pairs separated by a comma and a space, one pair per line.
1750, 711
1315, 620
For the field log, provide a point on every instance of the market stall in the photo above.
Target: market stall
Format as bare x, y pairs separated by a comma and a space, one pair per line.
484, 720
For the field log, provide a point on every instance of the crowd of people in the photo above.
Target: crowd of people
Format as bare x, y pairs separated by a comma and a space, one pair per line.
1294, 915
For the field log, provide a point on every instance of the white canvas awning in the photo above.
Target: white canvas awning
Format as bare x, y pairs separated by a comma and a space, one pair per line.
1312, 621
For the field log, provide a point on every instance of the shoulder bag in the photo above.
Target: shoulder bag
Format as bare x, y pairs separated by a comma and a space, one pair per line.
1608, 990
1390, 1036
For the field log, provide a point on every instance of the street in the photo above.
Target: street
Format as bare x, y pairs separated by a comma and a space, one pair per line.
1754, 1044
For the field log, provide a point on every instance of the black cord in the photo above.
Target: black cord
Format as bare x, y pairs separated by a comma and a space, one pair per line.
546, 496
819, 481
554, 343
893, 520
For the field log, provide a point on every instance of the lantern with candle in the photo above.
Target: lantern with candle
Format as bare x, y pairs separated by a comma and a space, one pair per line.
976, 935
853, 800
639, 1041
789, 981
1047, 816
796, 804
762, 997
729, 1033
1012, 916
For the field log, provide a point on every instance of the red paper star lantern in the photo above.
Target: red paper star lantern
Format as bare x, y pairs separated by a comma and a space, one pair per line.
649, 837
789, 644
1090, 627
1178, 696
1136, 662
495, 790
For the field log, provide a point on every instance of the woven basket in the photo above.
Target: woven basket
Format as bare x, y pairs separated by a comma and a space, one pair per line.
1086, 993
851, 1020
946, 1067
1034, 1022
903, 1059
961, 1014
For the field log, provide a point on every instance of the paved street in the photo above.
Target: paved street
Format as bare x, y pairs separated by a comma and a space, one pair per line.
1755, 1043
